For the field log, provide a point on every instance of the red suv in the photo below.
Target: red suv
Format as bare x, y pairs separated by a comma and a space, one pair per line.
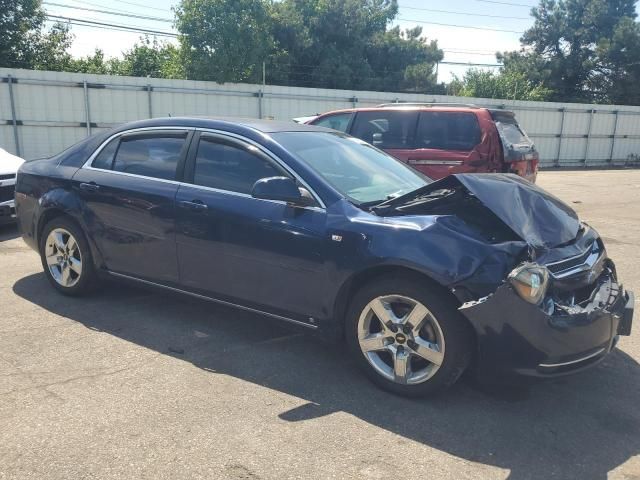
440, 139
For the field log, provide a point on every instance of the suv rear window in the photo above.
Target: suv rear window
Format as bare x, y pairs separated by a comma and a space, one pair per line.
509, 130
512, 133
448, 131
386, 129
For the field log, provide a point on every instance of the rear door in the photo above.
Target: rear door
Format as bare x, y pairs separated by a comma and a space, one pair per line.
129, 190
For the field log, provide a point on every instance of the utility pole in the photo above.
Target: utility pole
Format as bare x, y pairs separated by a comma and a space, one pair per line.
264, 73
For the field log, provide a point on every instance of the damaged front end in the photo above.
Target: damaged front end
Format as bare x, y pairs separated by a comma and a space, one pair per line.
558, 306
569, 330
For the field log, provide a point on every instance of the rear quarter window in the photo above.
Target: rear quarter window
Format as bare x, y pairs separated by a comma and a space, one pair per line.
448, 131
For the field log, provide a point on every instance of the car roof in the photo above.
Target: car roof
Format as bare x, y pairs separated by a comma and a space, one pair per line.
225, 123
427, 107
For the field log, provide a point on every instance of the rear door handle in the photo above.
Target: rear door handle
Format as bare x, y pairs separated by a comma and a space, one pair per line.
89, 187
194, 206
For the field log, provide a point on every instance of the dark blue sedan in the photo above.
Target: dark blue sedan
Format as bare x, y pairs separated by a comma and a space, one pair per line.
310, 226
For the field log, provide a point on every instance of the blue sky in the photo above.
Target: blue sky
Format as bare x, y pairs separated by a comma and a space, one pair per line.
491, 32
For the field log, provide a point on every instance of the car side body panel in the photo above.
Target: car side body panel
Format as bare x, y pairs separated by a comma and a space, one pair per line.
298, 263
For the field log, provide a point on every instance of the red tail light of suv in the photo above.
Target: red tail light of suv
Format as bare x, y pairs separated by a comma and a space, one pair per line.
441, 139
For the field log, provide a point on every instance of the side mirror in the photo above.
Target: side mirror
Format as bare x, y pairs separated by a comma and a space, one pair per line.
283, 189
377, 139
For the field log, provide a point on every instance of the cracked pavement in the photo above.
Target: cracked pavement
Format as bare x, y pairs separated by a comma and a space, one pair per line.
131, 383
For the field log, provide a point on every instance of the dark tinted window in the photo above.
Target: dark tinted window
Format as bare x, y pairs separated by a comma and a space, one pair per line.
150, 155
105, 157
339, 121
386, 128
448, 131
229, 167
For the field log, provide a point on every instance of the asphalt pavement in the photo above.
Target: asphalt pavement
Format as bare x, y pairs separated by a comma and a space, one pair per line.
130, 383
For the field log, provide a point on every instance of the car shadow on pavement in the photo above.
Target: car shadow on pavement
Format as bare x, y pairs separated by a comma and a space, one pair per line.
579, 427
8, 232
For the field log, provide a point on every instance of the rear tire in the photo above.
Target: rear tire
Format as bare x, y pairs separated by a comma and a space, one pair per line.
66, 257
408, 336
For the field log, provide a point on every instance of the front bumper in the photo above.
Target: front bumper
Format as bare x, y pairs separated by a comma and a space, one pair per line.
517, 338
7, 202
7, 212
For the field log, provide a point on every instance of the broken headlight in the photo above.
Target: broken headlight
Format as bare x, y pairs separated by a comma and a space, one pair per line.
530, 280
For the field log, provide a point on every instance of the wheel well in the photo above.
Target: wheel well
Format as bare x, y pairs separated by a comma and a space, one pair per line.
46, 218
355, 283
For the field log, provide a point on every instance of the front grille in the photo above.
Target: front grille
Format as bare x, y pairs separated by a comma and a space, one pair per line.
588, 258
7, 176
7, 193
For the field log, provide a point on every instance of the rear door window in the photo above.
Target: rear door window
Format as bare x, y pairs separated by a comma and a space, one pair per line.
339, 121
151, 155
388, 129
448, 131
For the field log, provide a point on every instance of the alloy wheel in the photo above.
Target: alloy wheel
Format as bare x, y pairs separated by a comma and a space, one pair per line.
401, 339
63, 257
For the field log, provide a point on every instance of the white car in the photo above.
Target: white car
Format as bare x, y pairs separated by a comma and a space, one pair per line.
9, 165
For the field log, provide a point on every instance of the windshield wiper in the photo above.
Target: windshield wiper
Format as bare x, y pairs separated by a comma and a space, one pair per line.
416, 196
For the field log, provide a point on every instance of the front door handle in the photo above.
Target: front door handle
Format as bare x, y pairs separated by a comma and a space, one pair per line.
194, 206
89, 187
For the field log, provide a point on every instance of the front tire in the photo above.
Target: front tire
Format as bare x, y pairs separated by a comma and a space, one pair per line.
408, 336
66, 257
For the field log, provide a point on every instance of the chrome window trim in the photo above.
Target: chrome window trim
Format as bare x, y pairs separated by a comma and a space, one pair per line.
91, 158
215, 300
268, 153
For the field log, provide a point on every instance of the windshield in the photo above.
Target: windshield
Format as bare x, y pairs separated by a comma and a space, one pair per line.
353, 167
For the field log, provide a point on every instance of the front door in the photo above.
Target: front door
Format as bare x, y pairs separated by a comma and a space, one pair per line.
130, 190
259, 253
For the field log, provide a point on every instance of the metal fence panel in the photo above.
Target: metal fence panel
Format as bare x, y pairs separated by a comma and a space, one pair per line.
52, 110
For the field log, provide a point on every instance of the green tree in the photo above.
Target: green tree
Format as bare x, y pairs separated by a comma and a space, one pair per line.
404, 60
506, 84
150, 58
579, 49
23, 41
346, 44
95, 63
224, 40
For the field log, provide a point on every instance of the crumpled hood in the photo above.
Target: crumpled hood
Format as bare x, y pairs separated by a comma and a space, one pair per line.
537, 217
